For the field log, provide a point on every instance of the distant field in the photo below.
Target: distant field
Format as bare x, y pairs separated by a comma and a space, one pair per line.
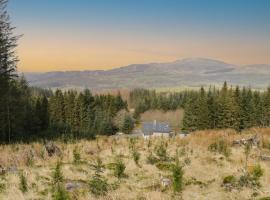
175, 118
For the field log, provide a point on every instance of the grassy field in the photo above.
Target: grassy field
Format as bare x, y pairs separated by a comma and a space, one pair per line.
206, 157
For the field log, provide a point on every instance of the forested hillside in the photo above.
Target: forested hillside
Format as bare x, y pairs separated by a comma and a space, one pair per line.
229, 107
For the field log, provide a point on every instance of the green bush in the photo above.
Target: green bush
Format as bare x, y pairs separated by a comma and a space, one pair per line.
151, 159
119, 168
264, 198
58, 176
136, 156
76, 155
61, 193
265, 143
177, 175
30, 159
161, 151
164, 166
132, 143
98, 186
221, 146
2, 187
246, 181
229, 180
257, 172
23, 183
252, 179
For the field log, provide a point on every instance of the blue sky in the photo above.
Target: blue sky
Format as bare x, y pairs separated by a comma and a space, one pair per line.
153, 30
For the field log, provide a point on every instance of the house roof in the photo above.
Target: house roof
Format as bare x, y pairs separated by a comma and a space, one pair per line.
150, 127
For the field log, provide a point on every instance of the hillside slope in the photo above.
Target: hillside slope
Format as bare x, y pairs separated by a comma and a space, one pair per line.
186, 72
203, 178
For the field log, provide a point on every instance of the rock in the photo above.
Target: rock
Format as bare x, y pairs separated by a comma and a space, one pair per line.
13, 169
254, 141
52, 149
265, 157
2, 170
74, 185
165, 182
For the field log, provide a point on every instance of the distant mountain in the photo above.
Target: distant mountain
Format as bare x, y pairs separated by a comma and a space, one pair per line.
187, 72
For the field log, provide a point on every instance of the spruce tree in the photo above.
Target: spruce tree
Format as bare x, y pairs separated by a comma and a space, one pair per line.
8, 64
128, 124
212, 103
190, 121
266, 108
227, 117
203, 111
247, 104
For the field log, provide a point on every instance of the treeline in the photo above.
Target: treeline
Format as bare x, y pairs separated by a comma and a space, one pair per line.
227, 108
32, 114
84, 115
143, 100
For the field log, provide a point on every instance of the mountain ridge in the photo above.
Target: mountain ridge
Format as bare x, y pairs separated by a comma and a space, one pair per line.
185, 72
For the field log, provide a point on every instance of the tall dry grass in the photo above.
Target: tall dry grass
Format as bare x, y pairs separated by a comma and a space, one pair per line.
203, 170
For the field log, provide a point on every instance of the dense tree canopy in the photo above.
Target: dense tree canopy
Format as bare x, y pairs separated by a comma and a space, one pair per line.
213, 109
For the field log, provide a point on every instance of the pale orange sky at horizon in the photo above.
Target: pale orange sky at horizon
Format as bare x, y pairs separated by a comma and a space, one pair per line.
51, 54
98, 34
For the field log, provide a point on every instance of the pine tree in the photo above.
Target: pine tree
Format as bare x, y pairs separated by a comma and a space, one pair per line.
44, 115
248, 114
226, 109
212, 97
258, 106
128, 124
8, 63
238, 108
266, 108
203, 111
190, 121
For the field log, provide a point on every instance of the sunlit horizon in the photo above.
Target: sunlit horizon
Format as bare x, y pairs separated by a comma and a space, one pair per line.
99, 35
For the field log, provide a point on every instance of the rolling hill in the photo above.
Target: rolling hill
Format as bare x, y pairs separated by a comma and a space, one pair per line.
190, 72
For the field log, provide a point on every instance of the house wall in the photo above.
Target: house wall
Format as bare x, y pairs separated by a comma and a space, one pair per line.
146, 136
161, 134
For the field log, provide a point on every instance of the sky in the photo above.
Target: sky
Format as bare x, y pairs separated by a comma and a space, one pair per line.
63, 35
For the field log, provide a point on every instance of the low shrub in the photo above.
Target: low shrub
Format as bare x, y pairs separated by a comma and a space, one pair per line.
61, 193
257, 172
229, 180
76, 155
151, 159
161, 151
98, 186
119, 168
23, 183
177, 175
164, 166
58, 176
264, 198
265, 143
221, 146
136, 157
2, 187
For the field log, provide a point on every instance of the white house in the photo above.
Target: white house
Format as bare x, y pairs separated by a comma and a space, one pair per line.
156, 129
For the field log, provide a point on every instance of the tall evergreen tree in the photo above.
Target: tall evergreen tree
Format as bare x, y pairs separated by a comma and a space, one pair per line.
227, 117
8, 62
266, 108
203, 111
